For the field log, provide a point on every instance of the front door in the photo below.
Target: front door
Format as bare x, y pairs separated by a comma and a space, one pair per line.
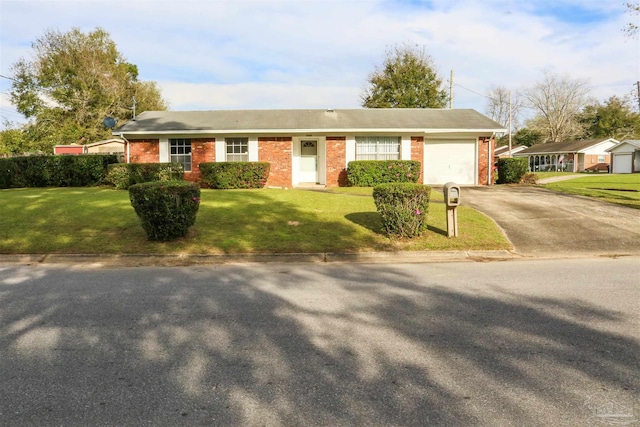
309, 160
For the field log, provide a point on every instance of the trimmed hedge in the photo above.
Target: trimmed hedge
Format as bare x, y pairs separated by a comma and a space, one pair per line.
369, 173
512, 170
403, 208
124, 175
229, 175
166, 209
55, 171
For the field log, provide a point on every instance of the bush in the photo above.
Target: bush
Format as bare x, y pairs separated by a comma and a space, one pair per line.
124, 175
403, 208
228, 175
369, 173
55, 171
529, 178
166, 209
511, 171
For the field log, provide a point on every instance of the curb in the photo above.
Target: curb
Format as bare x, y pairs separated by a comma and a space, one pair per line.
155, 260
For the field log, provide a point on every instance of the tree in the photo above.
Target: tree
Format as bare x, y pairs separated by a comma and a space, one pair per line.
407, 79
73, 82
614, 119
558, 100
527, 137
498, 105
632, 28
12, 139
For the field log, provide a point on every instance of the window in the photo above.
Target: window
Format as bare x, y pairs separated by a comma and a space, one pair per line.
377, 148
601, 158
180, 152
237, 149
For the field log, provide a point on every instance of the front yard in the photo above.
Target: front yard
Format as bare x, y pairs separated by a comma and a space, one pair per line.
101, 220
622, 189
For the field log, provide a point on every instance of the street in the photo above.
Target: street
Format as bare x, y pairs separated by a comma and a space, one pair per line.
523, 342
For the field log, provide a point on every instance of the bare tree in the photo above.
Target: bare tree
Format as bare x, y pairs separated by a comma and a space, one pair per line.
499, 104
631, 28
558, 101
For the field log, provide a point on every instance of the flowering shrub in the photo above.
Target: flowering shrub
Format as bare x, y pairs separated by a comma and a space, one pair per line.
403, 208
369, 173
228, 175
166, 209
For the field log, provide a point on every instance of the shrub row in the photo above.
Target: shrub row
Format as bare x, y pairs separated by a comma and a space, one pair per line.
512, 170
403, 208
228, 175
124, 175
369, 173
55, 171
166, 209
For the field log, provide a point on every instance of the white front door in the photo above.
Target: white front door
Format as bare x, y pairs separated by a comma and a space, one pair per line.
309, 160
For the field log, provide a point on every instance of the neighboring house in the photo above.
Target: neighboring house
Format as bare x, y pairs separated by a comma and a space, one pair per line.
572, 156
626, 156
107, 146
504, 152
68, 149
315, 146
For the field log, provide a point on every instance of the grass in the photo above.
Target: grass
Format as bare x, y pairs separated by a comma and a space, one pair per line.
101, 220
622, 189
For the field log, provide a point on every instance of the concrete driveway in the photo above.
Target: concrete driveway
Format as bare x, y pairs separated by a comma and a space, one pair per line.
540, 222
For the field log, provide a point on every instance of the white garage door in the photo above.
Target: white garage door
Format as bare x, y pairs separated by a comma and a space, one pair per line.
450, 161
622, 163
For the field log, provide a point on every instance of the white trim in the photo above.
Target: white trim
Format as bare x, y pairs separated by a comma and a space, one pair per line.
405, 147
267, 132
163, 150
221, 150
350, 149
253, 148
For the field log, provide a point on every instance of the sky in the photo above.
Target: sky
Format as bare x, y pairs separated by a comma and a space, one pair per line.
262, 54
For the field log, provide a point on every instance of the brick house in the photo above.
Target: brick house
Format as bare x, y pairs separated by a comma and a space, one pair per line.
315, 146
589, 155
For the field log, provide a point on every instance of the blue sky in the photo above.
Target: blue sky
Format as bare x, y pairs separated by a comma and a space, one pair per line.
241, 54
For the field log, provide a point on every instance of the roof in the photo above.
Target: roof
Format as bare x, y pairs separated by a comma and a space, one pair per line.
504, 149
375, 119
563, 147
633, 142
105, 141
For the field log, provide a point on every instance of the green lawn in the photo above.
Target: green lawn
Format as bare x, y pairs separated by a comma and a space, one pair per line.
623, 189
101, 220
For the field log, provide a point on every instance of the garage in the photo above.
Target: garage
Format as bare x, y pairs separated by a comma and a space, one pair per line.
622, 163
452, 160
626, 156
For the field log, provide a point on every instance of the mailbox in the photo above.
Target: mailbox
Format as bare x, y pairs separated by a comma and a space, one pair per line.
451, 194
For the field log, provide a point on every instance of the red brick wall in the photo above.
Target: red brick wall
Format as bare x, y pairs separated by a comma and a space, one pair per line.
203, 150
417, 153
144, 150
277, 152
484, 161
336, 161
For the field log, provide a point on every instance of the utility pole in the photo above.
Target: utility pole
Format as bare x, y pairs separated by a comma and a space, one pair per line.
638, 84
509, 124
451, 90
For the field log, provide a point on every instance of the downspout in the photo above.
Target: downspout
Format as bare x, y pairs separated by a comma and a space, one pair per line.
128, 150
490, 161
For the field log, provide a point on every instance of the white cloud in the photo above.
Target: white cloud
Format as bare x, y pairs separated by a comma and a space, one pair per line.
318, 53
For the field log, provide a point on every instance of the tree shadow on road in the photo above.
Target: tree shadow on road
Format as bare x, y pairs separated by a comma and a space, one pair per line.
312, 345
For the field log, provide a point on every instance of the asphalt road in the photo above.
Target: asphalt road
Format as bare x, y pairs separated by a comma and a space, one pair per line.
540, 222
527, 343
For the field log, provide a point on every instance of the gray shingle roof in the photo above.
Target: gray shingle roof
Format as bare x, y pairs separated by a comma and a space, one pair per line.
306, 120
561, 147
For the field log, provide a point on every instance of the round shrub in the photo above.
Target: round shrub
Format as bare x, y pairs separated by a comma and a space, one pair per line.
166, 209
511, 170
403, 207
